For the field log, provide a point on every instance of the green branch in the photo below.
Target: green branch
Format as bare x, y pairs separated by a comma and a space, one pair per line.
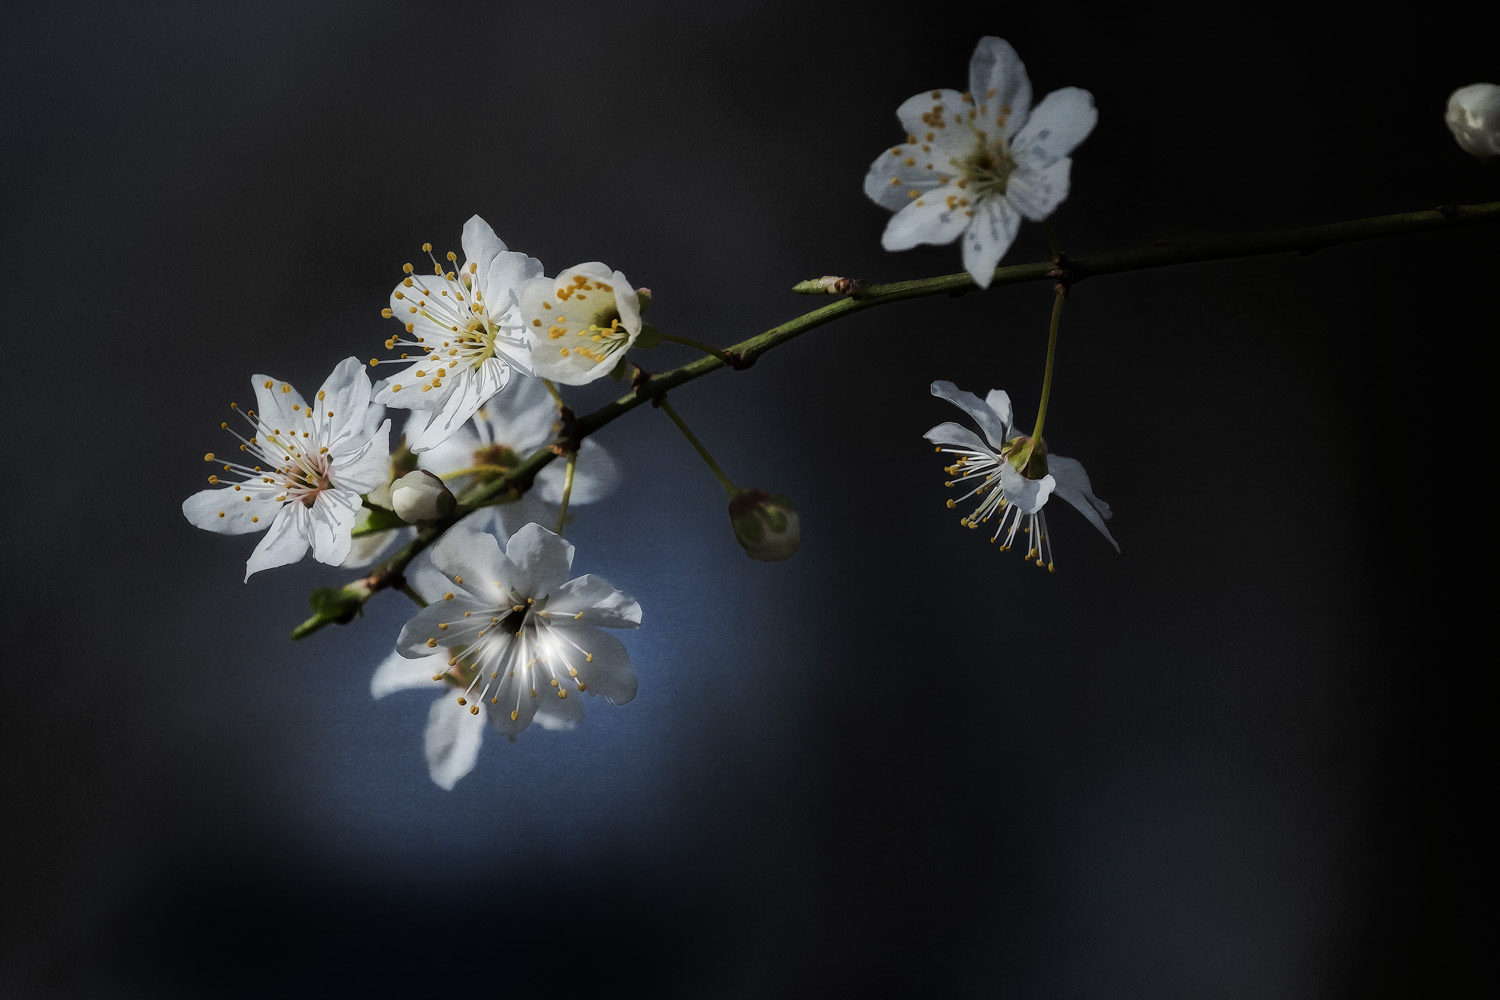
333, 604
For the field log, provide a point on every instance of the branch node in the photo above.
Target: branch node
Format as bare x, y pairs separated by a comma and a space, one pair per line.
739, 360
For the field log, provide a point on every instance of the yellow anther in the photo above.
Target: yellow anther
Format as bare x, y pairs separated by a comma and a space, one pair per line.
285, 388
209, 457
221, 513
448, 596
462, 700
560, 692
473, 709
589, 657
443, 626
407, 268
427, 248
514, 715
578, 616
431, 642
254, 519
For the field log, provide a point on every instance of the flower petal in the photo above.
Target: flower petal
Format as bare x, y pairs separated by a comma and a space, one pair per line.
473, 559
361, 465
559, 713
479, 242
958, 435
285, 542
231, 512
515, 696
594, 477
929, 219
1036, 193
597, 601
1027, 495
346, 396
277, 403
1073, 486
610, 674
403, 673
991, 232
1056, 127
996, 425
453, 403
999, 84
442, 625
451, 742
331, 519
542, 557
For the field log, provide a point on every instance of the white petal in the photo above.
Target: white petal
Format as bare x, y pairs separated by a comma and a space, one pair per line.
479, 242
921, 114
345, 394
285, 542
520, 418
515, 696
1027, 495
1036, 192
228, 512
610, 674
331, 519
594, 477
998, 400
402, 673
275, 401
543, 558
1056, 127
559, 713
1073, 486
928, 219
424, 626
996, 425
598, 602
997, 81
502, 279
455, 401
476, 557
990, 234
361, 464
956, 434
452, 740
366, 549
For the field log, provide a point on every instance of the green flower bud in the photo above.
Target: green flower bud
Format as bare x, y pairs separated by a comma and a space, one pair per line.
765, 524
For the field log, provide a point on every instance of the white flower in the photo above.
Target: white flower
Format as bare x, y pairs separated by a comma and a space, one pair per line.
580, 323
984, 468
508, 632
973, 164
304, 472
506, 430
465, 328
1474, 119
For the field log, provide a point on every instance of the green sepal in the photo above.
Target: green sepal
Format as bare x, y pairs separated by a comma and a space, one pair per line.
648, 338
336, 604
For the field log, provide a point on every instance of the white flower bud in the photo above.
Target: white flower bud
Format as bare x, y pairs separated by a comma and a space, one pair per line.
420, 496
1474, 119
765, 524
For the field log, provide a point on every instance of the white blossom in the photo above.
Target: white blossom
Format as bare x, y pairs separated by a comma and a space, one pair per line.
507, 636
462, 331
580, 323
974, 164
301, 470
1002, 493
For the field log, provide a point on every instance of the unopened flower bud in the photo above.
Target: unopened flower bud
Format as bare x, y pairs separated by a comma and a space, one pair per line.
1474, 119
421, 496
765, 524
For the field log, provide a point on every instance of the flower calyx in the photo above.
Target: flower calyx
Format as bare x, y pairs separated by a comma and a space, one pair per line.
1026, 455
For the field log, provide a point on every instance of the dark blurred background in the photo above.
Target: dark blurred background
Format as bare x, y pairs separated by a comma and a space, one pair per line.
1244, 758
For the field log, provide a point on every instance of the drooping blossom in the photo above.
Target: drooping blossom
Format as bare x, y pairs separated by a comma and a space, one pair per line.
1010, 497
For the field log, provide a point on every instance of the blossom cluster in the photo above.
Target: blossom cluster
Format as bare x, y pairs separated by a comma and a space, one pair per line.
506, 634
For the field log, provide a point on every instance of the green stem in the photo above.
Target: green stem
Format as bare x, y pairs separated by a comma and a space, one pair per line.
562, 513
1306, 240
696, 345
1052, 243
407, 589
713, 466
556, 396
1041, 410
